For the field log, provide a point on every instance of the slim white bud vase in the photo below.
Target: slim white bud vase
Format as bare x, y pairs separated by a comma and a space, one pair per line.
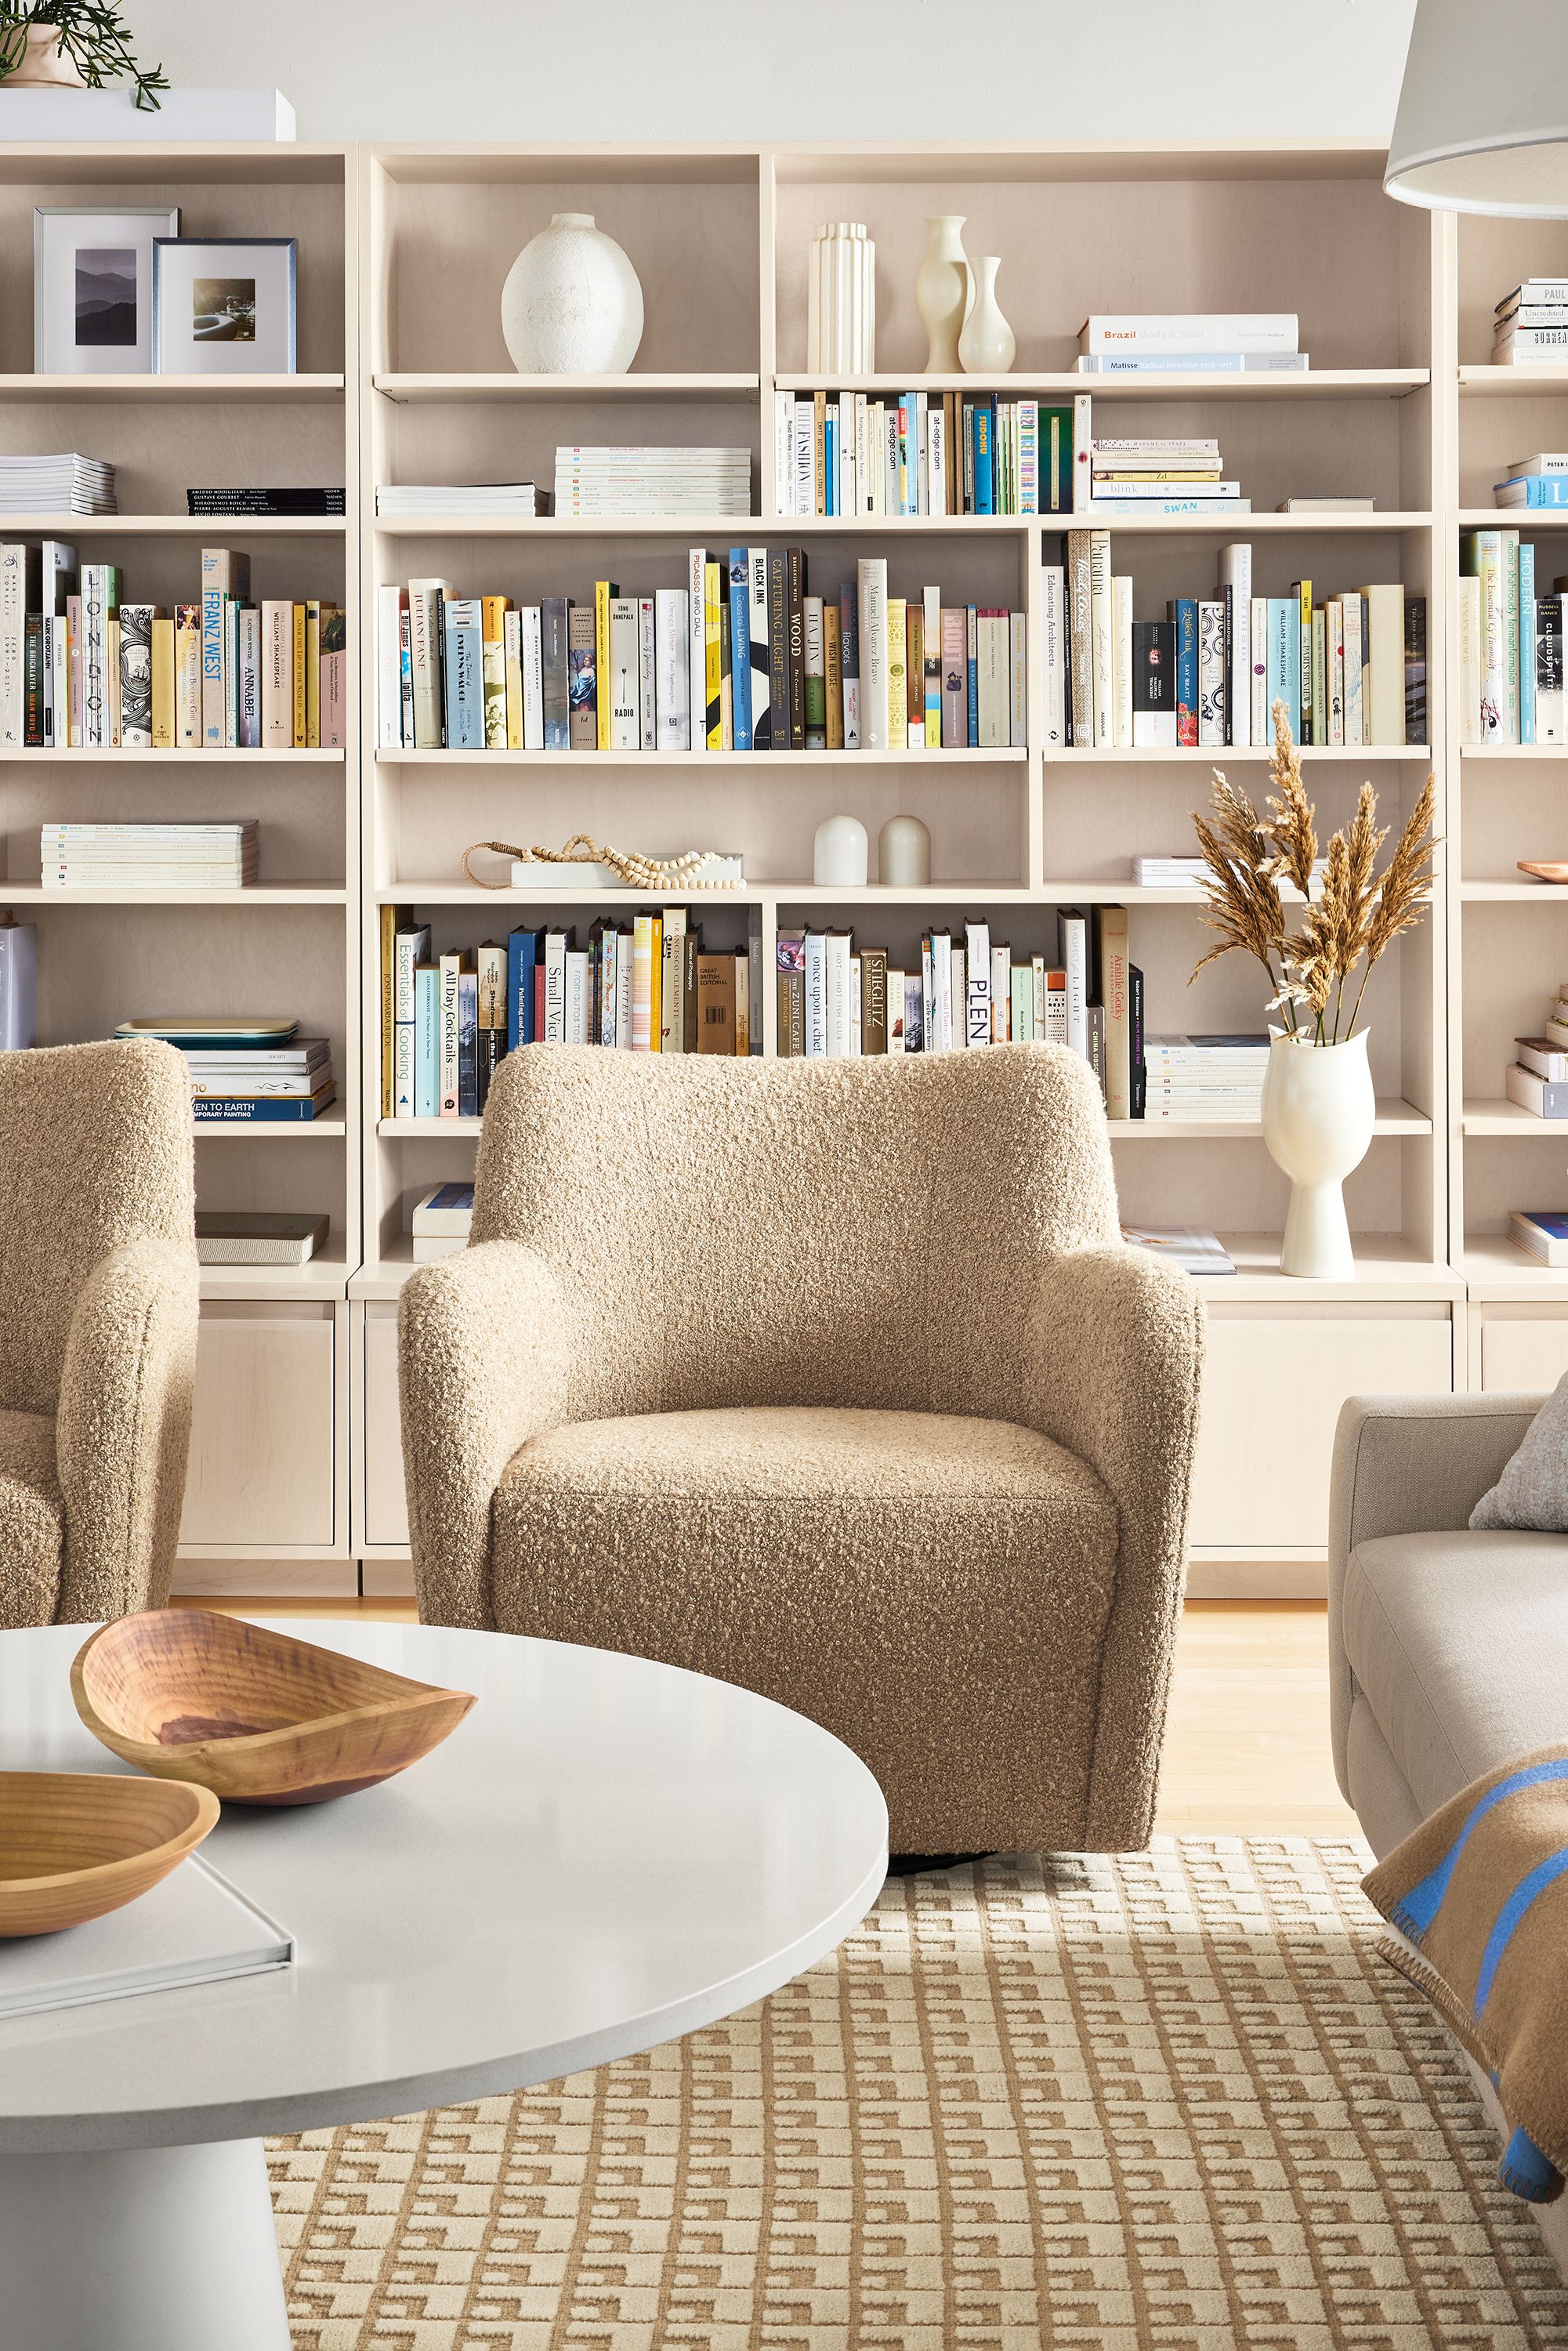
987, 345
1318, 1117
942, 292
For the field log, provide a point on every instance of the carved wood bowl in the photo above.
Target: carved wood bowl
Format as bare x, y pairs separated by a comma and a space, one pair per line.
1543, 869
257, 1718
74, 1845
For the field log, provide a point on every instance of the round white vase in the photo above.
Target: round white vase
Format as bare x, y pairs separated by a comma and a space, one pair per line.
571, 304
904, 853
841, 853
987, 345
942, 292
1318, 1117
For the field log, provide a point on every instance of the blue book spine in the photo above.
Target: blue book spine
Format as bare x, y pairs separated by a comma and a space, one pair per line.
1540, 489
985, 471
426, 1089
740, 646
266, 1109
464, 674
1285, 656
1182, 612
522, 949
972, 617
830, 467
1526, 642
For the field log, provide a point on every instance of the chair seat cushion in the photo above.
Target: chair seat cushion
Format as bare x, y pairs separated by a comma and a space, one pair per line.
32, 1520
1459, 1642
926, 1585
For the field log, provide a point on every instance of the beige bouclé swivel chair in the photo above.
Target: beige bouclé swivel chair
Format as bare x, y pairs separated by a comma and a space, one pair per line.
99, 1301
832, 1379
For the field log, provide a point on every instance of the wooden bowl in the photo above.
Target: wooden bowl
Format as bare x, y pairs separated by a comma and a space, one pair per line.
1543, 869
76, 1843
257, 1718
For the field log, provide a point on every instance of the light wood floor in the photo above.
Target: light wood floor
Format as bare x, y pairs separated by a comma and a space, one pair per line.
1246, 1747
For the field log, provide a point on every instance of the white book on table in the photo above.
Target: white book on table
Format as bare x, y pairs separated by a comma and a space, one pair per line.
194, 1928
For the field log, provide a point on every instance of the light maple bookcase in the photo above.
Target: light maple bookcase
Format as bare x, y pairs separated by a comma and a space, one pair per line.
1391, 302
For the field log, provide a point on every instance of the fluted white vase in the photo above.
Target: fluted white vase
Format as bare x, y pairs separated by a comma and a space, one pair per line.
1318, 1117
572, 304
942, 292
987, 345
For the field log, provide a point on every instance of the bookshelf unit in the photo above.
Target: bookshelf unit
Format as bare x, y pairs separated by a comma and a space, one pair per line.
267, 1492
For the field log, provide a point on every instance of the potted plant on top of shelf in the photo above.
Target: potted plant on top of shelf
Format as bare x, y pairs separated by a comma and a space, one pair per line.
72, 45
1318, 1104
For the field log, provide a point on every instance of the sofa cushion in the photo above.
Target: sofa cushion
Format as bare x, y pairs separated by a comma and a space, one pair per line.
32, 1520
927, 1585
1532, 1490
1459, 1642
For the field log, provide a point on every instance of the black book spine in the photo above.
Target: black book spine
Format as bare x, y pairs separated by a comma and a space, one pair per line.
1139, 1073
779, 648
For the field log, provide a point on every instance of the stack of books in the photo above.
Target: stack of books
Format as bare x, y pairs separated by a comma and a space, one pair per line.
1190, 343
248, 1071
1541, 1233
1168, 873
83, 669
1192, 1246
1147, 478
258, 1236
1530, 326
741, 658
441, 1222
1349, 669
1538, 481
1538, 1078
1215, 1077
70, 484
923, 454
410, 500
217, 856
1511, 643
630, 482
310, 502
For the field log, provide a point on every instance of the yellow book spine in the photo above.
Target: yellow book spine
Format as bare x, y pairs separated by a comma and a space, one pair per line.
602, 591
162, 686
388, 927
656, 987
897, 677
299, 677
713, 655
313, 673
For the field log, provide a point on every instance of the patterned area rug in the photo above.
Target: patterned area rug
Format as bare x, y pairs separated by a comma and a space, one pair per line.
1174, 2100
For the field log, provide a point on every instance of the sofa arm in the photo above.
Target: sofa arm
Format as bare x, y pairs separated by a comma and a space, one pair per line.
123, 1432
484, 1347
1118, 1357
1402, 1465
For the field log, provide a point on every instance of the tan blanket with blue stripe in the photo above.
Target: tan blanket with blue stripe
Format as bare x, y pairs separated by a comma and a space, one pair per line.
1480, 1890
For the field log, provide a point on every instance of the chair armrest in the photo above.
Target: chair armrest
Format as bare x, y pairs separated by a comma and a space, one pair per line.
485, 1343
1118, 1355
123, 1432
1402, 1465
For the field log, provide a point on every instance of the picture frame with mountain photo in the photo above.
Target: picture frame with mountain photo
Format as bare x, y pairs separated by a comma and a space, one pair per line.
93, 287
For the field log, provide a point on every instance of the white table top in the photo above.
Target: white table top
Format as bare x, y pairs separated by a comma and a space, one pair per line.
605, 1855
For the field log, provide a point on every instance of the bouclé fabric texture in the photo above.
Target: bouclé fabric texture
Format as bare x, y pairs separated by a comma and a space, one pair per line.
1532, 1490
97, 1333
835, 1380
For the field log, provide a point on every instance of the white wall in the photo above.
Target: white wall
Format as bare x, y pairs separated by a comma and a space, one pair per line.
754, 69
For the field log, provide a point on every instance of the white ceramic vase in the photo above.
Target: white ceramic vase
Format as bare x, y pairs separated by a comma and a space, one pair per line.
45, 65
1318, 1115
841, 853
904, 853
987, 345
942, 292
571, 304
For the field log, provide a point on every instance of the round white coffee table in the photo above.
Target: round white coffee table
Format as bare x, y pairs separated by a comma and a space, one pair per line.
605, 1855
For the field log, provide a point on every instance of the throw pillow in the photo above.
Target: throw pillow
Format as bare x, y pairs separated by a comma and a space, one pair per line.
1533, 1490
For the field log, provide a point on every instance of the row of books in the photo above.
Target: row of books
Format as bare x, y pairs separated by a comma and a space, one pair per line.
921, 452
1530, 325
1190, 342
261, 1073
600, 482
221, 855
1511, 643
83, 669
1540, 480
1349, 669
69, 483
1537, 1080
741, 658
650, 984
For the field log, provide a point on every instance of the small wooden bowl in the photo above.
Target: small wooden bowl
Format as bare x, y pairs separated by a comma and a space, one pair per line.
257, 1718
1543, 869
76, 1843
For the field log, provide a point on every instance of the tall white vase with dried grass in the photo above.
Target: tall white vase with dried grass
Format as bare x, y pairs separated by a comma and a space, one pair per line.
1318, 1107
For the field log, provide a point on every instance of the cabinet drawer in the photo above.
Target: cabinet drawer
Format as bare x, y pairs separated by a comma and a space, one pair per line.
1271, 1395
1520, 1351
262, 1433
386, 1503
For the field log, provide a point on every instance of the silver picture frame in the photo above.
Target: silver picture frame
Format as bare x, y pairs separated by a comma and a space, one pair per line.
92, 287
225, 304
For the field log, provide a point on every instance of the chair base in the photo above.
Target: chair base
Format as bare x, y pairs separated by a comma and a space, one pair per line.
913, 1865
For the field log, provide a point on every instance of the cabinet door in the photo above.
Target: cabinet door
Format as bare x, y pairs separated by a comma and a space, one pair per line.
262, 1433
1523, 1352
1272, 1395
386, 1503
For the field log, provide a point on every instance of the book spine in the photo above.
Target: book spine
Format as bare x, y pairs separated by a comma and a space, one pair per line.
761, 683
1081, 639
647, 674
1053, 595
931, 667
603, 589
300, 707
850, 662
833, 673
713, 658
740, 647
492, 670
672, 687
815, 678
583, 681
896, 723
779, 647
624, 675
533, 677
512, 677
1210, 674
872, 605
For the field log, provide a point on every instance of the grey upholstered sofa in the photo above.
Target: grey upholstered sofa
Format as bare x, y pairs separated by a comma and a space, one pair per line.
1448, 1650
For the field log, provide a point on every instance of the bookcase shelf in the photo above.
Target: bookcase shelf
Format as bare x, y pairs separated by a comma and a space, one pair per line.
1242, 525
1513, 750
1524, 892
202, 526
1510, 1119
1226, 755
1525, 519
585, 390
1314, 384
278, 1130
74, 391
199, 756
253, 893
755, 762
1395, 1116
1488, 383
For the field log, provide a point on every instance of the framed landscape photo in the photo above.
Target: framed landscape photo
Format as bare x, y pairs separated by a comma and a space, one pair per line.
223, 304
93, 287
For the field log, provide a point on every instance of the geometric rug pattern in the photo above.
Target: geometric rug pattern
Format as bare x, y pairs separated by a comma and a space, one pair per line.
1170, 2101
